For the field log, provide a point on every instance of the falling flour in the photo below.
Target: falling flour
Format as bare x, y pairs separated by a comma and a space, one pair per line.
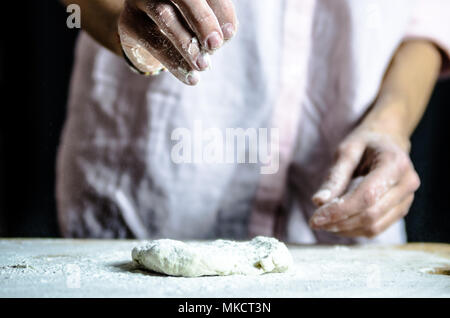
218, 258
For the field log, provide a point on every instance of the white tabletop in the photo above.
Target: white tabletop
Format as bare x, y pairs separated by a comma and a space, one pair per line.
95, 268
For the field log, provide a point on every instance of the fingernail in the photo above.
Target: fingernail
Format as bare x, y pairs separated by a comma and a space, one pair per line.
333, 229
228, 31
320, 220
322, 196
192, 78
213, 41
203, 61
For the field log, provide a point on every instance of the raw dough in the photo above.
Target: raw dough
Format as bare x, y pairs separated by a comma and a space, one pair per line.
258, 256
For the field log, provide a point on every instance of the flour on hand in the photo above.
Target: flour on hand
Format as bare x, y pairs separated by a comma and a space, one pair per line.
218, 258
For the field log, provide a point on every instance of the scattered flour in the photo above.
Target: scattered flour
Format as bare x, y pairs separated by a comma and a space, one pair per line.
102, 268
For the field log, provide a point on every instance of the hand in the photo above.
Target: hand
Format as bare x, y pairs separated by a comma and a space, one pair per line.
176, 34
371, 186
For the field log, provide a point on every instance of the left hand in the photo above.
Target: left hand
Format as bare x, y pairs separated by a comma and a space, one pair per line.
371, 185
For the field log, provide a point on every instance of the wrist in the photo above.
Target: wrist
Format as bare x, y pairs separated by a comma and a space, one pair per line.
389, 117
391, 113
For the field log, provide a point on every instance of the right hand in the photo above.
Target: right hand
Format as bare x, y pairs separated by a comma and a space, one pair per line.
177, 35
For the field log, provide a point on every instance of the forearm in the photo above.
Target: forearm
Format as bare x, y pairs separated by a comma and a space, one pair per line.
99, 19
406, 89
373, 175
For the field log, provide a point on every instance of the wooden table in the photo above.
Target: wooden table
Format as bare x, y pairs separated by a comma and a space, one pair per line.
103, 268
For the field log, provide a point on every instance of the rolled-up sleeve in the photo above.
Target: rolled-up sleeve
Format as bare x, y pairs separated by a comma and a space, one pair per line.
431, 20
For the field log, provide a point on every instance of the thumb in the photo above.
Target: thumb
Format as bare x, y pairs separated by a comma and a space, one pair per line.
348, 158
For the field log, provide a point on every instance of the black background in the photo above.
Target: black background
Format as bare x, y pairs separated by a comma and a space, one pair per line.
170, 306
35, 64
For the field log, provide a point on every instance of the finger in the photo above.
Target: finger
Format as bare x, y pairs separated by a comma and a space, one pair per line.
140, 36
392, 198
382, 224
226, 15
138, 56
169, 20
347, 159
320, 218
203, 22
390, 218
385, 175
387, 172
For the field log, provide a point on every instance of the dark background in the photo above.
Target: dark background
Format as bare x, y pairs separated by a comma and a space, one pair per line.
36, 58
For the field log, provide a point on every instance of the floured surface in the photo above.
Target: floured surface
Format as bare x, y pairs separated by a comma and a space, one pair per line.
217, 258
90, 268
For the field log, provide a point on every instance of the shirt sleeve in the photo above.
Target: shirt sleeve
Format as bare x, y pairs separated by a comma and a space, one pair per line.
430, 20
